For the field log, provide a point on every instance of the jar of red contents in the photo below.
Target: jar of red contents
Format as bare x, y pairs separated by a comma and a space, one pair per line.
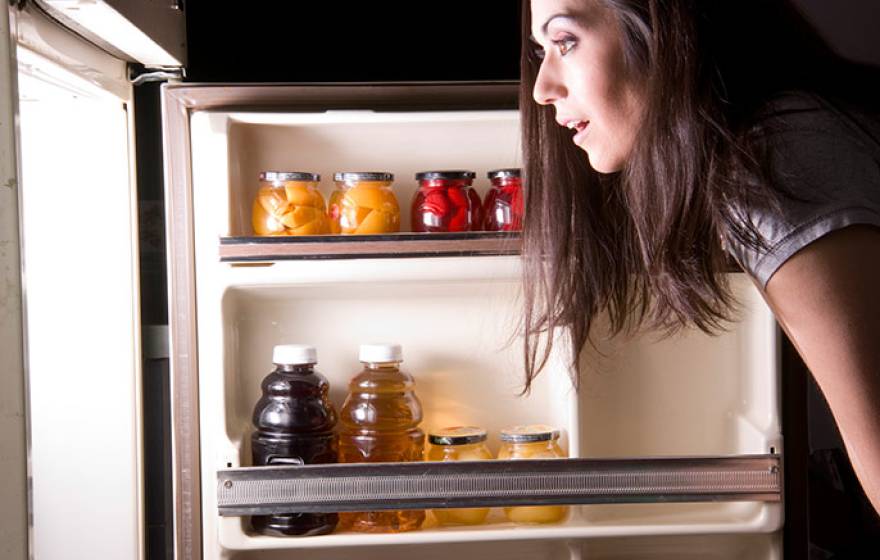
445, 201
503, 207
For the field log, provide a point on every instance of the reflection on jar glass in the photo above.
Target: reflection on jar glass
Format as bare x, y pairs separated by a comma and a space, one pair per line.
459, 443
503, 208
532, 442
289, 203
364, 203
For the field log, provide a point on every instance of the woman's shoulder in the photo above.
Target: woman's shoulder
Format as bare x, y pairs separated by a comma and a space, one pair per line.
822, 149
823, 160
793, 117
820, 145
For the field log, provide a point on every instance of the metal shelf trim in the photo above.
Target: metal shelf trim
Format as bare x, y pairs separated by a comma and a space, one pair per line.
382, 486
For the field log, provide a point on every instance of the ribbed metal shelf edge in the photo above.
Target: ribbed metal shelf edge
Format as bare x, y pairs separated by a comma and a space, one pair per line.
378, 486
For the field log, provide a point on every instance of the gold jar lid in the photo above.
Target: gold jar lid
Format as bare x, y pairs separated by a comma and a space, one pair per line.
529, 434
457, 435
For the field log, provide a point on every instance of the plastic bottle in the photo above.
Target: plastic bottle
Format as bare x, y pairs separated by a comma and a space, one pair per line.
379, 423
294, 421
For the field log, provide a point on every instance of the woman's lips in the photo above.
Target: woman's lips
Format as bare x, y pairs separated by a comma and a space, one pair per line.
580, 128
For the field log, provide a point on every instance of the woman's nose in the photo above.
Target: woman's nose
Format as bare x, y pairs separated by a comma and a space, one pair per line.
548, 88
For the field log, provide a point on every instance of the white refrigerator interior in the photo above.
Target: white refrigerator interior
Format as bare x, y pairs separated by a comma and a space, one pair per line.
689, 395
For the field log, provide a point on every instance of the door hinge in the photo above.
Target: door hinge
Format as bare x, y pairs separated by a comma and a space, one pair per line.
139, 74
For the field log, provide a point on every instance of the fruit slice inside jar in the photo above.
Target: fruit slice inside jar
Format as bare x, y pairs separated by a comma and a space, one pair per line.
300, 216
302, 194
297, 208
374, 195
272, 201
377, 221
367, 210
351, 217
265, 223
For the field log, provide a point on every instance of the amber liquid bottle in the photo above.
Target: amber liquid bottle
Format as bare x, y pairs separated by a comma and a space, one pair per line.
294, 422
379, 423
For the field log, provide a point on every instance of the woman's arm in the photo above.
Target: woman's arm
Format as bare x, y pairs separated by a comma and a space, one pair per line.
827, 298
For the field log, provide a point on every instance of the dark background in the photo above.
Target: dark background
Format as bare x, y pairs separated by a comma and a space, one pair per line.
320, 41
299, 41
455, 40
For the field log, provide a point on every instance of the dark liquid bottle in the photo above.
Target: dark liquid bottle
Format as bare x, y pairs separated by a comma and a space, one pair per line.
379, 423
294, 420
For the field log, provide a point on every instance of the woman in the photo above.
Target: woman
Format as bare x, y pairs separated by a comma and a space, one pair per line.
667, 135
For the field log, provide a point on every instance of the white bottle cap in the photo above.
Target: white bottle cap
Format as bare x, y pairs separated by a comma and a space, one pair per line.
380, 353
293, 354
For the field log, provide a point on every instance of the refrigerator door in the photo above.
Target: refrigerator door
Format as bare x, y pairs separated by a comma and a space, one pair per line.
151, 33
73, 201
13, 486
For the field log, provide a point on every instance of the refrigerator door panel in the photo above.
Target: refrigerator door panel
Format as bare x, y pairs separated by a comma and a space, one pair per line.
456, 318
13, 449
151, 33
81, 305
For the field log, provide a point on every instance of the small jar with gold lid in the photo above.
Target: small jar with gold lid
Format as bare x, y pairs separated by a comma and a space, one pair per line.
532, 442
459, 443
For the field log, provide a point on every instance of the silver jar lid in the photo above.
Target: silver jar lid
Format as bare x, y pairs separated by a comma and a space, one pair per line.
363, 176
504, 173
456, 174
457, 435
289, 176
529, 434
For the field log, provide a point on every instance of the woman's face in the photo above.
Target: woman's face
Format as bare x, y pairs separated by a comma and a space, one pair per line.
583, 76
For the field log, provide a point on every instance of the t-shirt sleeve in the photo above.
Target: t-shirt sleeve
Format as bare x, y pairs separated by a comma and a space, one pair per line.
826, 165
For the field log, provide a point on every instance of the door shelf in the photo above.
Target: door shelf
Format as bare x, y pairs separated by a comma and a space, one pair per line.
609, 497
365, 486
397, 245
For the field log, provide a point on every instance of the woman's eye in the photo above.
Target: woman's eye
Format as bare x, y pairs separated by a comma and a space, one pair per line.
564, 45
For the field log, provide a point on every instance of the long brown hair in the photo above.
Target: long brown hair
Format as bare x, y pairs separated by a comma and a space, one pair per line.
645, 246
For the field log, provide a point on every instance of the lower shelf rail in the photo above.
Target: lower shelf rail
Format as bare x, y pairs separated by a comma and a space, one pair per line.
383, 486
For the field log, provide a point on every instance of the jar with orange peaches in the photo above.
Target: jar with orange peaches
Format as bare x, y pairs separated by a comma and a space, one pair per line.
289, 203
364, 203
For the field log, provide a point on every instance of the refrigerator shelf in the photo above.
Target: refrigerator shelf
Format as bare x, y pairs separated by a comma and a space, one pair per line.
397, 245
365, 486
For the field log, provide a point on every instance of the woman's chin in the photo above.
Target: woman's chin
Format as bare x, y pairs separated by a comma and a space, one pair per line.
602, 164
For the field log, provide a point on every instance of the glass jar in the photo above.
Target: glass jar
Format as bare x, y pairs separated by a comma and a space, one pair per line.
532, 442
289, 203
445, 202
364, 203
460, 443
503, 207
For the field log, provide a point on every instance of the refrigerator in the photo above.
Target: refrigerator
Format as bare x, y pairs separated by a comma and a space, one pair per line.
675, 445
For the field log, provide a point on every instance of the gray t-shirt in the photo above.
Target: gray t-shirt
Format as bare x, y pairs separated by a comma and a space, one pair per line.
829, 160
